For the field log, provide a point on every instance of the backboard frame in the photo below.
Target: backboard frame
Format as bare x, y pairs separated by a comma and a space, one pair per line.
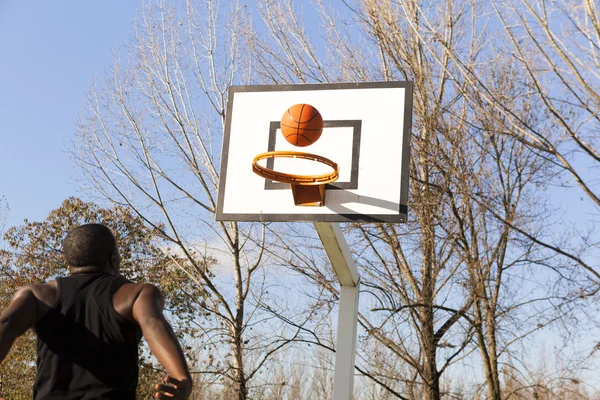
308, 216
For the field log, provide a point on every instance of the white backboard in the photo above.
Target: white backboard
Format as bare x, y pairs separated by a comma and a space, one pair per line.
366, 132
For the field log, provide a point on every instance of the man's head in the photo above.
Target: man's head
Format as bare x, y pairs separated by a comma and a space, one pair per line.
91, 247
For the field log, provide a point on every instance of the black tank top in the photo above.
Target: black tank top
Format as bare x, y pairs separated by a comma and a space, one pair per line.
86, 350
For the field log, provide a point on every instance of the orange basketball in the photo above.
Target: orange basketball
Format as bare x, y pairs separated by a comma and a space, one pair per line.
302, 125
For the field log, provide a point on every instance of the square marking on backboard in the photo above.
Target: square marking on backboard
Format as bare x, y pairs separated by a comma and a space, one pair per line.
342, 135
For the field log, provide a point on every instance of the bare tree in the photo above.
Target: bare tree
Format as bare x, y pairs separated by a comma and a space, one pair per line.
442, 283
554, 46
149, 139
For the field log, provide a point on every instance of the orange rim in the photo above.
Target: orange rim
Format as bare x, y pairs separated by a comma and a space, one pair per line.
294, 179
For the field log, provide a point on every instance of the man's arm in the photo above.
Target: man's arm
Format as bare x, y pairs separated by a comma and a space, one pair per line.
20, 315
147, 312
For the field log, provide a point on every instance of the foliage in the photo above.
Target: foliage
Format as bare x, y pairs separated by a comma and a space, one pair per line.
34, 255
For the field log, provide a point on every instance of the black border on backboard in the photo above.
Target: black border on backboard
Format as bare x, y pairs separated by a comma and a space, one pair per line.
405, 167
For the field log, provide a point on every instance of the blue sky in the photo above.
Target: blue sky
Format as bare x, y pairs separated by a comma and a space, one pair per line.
50, 52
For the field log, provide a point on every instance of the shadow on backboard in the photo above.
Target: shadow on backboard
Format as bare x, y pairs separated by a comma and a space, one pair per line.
393, 208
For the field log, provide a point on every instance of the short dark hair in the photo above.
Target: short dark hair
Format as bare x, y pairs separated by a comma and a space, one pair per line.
89, 245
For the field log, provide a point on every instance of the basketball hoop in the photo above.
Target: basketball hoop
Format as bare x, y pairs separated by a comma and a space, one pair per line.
308, 190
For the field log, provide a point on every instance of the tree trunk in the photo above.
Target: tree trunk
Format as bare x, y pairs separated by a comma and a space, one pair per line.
493, 377
431, 389
238, 326
487, 348
431, 381
241, 386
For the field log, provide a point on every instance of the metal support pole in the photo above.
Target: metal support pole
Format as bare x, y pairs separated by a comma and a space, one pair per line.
337, 250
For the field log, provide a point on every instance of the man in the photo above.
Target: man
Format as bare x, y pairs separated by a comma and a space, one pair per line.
89, 326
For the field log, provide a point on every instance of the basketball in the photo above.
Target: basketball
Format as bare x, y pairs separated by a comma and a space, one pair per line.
302, 125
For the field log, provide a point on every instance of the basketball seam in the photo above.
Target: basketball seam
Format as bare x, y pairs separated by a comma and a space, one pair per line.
298, 127
300, 134
306, 138
303, 129
316, 114
298, 141
310, 119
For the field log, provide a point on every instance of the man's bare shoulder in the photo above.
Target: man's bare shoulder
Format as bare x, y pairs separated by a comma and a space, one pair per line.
131, 290
126, 296
44, 292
